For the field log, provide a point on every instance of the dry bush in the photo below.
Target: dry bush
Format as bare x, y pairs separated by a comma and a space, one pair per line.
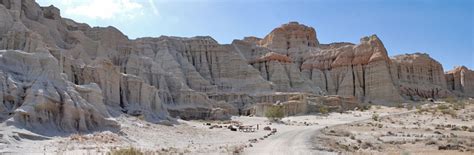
323, 110
442, 107
459, 105
400, 105
451, 112
451, 100
275, 113
375, 117
126, 151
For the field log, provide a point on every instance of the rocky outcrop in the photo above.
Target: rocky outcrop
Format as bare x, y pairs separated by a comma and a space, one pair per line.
361, 70
460, 80
305, 103
419, 76
281, 70
272, 57
35, 94
51, 64
291, 35
291, 39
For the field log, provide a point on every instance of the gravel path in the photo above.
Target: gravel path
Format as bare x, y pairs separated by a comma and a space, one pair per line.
296, 140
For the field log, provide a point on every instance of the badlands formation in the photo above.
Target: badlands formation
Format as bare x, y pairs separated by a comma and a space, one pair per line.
58, 75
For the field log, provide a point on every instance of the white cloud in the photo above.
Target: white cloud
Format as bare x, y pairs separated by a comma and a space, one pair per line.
66, 2
153, 7
103, 9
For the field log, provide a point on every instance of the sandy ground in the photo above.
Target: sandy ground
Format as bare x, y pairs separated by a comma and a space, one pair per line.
295, 138
295, 135
188, 137
425, 131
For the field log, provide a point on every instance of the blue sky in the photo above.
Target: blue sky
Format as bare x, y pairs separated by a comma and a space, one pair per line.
442, 28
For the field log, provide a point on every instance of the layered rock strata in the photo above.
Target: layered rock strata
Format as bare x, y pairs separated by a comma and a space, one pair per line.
51, 65
460, 80
37, 96
361, 70
419, 76
306, 103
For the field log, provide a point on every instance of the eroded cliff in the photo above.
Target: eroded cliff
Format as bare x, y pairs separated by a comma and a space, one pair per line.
61, 73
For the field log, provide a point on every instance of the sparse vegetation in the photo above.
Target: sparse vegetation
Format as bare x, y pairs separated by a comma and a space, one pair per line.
375, 117
275, 113
446, 120
451, 112
451, 100
421, 110
126, 151
456, 103
418, 107
442, 107
459, 105
323, 110
400, 105
365, 107
141, 117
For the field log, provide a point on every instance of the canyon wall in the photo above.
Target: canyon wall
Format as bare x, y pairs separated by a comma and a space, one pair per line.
418, 76
58, 72
460, 81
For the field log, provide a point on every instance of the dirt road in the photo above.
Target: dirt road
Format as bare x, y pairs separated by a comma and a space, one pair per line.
296, 140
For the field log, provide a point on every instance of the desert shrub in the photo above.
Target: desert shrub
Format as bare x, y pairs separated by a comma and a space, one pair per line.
464, 128
367, 107
323, 110
421, 110
451, 112
400, 105
364, 107
375, 117
459, 105
442, 107
451, 100
141, 117
126, 151
418, 107
275, 113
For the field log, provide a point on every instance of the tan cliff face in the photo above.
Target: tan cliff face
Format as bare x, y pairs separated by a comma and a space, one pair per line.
55, 71
291, 35
419, 76
460, 80
361, 70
